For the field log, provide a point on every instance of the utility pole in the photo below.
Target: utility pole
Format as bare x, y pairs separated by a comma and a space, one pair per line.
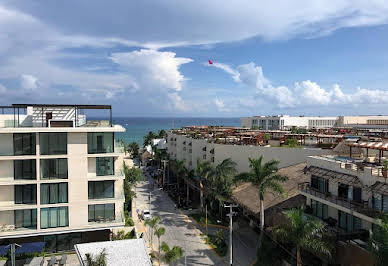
149, 203
13, 250
206, 219
230, 214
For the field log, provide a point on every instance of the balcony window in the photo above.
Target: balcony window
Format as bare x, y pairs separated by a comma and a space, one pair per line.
53, 193
101, 212
53, 143
25, 218
348, 222
380, 202
101, 189
105, 166
24, 169
53, 168
320, 184
343, 191
54, 217
100, 142
319, 209
25, 194
24, 144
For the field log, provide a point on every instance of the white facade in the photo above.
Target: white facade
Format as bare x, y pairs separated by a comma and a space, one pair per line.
182, 147
286, 122
50, 193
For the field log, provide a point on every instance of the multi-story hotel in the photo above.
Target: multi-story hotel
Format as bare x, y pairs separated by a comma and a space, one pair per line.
281, 122
60, 175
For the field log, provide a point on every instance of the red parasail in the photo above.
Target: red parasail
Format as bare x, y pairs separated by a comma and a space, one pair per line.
210, 62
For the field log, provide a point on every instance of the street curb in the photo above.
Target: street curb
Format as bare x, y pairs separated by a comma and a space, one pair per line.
211, 225
187, 218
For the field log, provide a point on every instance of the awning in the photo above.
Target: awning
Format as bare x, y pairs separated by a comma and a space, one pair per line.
30, 248
343, 178
4, 250
379, 187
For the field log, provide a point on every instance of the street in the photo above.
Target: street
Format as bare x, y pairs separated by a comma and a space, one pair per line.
179, 229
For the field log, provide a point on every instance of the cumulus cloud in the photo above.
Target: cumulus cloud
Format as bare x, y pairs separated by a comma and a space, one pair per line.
305, 93
221, 106
28, 82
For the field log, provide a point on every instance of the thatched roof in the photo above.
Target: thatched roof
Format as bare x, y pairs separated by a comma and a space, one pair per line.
246, 194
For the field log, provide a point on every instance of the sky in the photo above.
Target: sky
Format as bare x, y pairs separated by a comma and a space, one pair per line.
150, 58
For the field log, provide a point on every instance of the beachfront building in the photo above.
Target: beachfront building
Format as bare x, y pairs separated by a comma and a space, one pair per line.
282, 122
60, 175
349, 194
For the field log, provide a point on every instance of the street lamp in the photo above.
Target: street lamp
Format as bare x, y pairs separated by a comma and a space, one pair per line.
230, 215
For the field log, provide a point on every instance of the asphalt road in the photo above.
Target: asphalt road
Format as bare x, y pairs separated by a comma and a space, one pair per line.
179, 229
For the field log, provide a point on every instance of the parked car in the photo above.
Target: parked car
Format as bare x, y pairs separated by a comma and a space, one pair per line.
146, 215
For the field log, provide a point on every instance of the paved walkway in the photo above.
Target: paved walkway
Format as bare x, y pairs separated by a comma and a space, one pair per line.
180, 230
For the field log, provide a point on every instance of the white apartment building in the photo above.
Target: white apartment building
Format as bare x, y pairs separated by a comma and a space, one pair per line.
351, 195
183, 147
60, 176
281, 122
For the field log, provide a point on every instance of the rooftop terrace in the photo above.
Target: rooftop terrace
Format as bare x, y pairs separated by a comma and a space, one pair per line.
52, 115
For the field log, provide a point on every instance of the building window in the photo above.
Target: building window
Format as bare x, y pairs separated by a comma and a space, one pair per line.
25, 194
53, 168
54, 217
101, 212
24, 144
380, 202
61, 242
25, 218
101, 189
24, 169
348, 222
53, 193
319, 209
53, 143
320, 184
100, 142
105, 166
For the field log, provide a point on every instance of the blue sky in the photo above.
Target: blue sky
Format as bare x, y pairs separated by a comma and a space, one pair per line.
149, 58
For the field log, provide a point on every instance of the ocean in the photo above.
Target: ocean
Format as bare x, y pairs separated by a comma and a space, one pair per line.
137, 127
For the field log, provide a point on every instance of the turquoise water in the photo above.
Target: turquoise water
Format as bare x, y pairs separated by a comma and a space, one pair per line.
137, 127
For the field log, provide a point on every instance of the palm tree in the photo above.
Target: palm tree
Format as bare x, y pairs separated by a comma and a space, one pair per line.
162, 133
378, 243
180, 170
98, 260
203, 171
171, 255
304, 232
159, 232
148, 138
266, 179
152, 223
133, 148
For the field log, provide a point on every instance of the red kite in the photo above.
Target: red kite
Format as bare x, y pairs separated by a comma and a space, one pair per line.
210, 62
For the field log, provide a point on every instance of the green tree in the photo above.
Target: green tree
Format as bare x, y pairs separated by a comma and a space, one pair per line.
265, 177
162, 134
120, 235
173, 254
219, 237
293, 142
132, 175
148, 138
378, 242
304, 232
98, 260
152, 223
133, 148
159, 232
203, 171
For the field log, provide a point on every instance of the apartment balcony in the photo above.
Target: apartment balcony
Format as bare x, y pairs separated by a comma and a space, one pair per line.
118, 174
17, 222
360, 207
119, 196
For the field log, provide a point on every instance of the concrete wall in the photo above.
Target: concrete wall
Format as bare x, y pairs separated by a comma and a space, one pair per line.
241, 153
6, 170
7, 197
